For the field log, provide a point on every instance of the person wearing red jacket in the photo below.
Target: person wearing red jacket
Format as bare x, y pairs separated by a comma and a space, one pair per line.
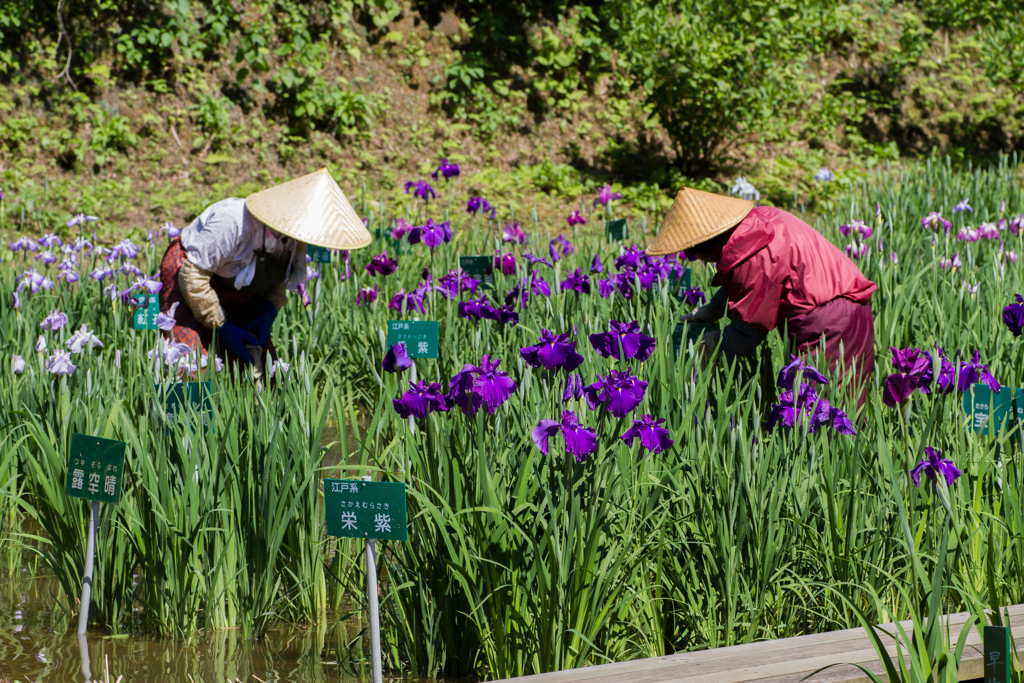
773, 272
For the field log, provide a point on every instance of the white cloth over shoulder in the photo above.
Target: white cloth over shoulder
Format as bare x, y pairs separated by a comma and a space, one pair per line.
224, 240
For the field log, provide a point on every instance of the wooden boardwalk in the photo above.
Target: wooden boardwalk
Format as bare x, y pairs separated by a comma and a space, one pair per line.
787, 660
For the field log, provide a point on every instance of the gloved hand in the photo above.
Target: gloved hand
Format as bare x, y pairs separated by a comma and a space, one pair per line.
261, 324
236, 339
707, 346
705, 314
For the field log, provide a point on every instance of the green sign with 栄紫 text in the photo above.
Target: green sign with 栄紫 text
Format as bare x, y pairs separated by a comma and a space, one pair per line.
366, 509
420, 337
318, 254
144, 317
479, 268
95, 468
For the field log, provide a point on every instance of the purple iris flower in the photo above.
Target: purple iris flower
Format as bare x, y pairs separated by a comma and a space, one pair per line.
455, 281
606, 196
652, 435
474, 308
412, 301
974, 372
580, 441
432, 234
576, 218
17, 362
631, 259
934, 465
401, 229
694, 296
513, 233
988, 231
531, 259
963, 206
46, 257
150, 285
129, 269
49, 241
624, 283
172, 231
954, 262
605, 288
421, 399
553, 253
506, 263
595, 264
125, 248
634, 343
483, 384
555, 352
576, 281
396, 359
68, 275
381, 264
423, 189
503, 314
80, 218
83, 338
35, 281
856, 228
913, 371
166, 321
367, 295
1013, 316
476, 204
787, 375
539, 286
934, 221
787, 412
54, 321
564, 246
24, 244
620, 392
573, 387
447, 169
59, 363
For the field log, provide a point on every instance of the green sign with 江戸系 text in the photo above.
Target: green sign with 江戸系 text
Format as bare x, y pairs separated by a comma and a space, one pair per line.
1000, 410
692, 332
365, 509
318, 254
616, 230
998, 655
148, 307
420, 337
181, 397
479, 268
95, 468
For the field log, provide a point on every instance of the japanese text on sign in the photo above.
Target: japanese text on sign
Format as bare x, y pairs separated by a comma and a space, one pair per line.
144, 317
420, 337
95, 468
365, 509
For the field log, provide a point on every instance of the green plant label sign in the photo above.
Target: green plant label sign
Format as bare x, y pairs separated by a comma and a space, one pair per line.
987, 407
395, 246
998, 654
692, 331
420, 337
677, 285
319, 254
95, 468
479, 268
365, 509
616, 229
145, 314
194, 395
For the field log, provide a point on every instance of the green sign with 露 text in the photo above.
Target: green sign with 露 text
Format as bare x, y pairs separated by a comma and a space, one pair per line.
366, 509
145, 315
319, 254
998, 655
616, 229
987, 407
479, 268
95, 468
692, 331
420, 337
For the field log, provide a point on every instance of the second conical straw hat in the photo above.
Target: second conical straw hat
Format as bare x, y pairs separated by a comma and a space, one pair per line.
695, 217
312, 209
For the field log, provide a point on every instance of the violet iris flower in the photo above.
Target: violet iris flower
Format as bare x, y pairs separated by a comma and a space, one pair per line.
857, 228
573, 387
913, 371
84, 336
35, 281
787, 412
576, 281
41, 344
653, 437
166, 321
787, 375
954, 262
606, 196
595, 264
694, 296
59, 363
619, 391
565, 247
413, 300
173, 232
80, 218
539, 285
17, 364
367, 295
432, 234
555, 352
934, 221
476, 204
149, 285
605, 288
49, 241
933, 465
513, 233
420, 400
631, 259
423, 190
974, 372
576, 218
988, 231
963, 206
968, 234
397, 358
125, 248
401, 228
580, 441
54, 321
1013, 316
506, 263
447, 170
477, 385
634, 343
532, 260
46, 257
455, 281
824, 175
474, 308
503, 314
381, 264
24, 244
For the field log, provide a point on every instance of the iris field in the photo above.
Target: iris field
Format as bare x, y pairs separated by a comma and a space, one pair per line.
577, 493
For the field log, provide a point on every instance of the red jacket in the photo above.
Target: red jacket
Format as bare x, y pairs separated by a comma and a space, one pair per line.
774, 267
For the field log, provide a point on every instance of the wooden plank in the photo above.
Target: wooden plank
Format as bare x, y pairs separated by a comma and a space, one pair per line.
786, 660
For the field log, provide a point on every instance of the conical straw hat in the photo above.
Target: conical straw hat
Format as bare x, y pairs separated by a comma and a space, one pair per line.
311, 209
697, 216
